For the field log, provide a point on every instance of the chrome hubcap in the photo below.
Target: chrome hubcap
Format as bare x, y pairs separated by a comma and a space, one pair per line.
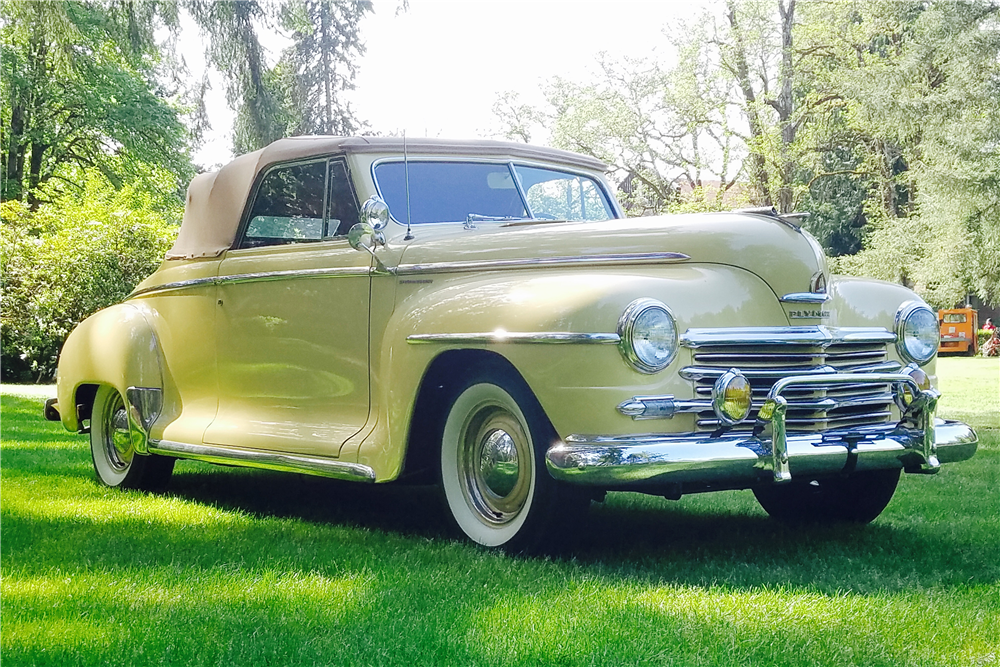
117, 435
496, 460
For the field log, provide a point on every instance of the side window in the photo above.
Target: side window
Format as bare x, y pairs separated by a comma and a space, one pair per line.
562, 196
290, 206
343, 204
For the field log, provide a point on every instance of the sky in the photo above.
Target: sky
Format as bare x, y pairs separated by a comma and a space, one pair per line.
436, 69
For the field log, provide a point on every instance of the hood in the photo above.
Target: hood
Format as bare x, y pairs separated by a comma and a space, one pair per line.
787, 259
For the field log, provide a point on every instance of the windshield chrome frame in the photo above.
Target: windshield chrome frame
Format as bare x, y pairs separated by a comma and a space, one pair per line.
511, 167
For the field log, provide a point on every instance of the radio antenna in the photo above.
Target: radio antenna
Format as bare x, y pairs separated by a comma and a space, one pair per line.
406, 177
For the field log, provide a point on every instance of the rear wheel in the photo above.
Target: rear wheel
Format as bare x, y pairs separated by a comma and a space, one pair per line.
493, 472
857, 499
112, 447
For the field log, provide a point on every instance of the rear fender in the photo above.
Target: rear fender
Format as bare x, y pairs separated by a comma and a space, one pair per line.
118, 347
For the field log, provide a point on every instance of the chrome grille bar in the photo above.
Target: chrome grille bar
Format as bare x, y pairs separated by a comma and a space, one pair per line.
767, 355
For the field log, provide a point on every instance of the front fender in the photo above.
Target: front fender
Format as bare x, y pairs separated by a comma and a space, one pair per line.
116, 346
578, 384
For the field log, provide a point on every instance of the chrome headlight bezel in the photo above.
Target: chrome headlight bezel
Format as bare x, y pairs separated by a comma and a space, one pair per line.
904, 316
627, 333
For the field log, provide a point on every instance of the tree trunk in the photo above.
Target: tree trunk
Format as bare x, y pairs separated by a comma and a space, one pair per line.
758, 166
35, 173
324, 29
785, 107
13, 173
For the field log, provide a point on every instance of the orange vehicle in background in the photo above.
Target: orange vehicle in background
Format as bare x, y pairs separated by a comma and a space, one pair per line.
958, 330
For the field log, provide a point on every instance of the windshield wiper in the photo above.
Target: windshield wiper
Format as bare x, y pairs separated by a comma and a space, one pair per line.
472, 218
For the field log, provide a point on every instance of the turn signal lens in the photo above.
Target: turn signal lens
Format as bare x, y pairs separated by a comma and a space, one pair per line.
731, 397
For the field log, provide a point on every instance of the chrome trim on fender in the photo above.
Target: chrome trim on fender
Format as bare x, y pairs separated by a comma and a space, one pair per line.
741, 460
264, 276
805, 297
499, 337
514, 264
659, 407
813, 335
265, 460
144, 406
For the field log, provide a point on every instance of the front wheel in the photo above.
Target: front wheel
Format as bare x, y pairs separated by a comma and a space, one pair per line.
493, 471
112, 447
856, 499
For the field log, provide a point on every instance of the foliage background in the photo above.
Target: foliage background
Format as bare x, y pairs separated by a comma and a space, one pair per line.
881, 119
68, 259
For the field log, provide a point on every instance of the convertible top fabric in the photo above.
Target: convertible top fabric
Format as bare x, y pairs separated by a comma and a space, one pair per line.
215, 200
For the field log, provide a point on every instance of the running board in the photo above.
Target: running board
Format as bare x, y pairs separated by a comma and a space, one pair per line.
249, 458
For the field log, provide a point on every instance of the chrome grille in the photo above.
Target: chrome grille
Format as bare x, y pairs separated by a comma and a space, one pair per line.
767, 355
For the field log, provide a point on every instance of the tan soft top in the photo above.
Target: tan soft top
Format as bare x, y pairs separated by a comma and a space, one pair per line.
215, 200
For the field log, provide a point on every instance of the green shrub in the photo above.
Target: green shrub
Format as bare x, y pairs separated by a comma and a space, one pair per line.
69, 259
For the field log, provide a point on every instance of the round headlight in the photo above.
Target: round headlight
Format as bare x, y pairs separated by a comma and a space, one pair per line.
917, 332
648, 335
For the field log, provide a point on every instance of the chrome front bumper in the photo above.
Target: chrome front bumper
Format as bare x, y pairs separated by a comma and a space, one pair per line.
918, 443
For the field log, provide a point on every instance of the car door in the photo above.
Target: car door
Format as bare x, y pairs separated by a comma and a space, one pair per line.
292, 317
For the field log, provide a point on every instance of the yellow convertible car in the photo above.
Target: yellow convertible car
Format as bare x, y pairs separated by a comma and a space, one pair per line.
482, 315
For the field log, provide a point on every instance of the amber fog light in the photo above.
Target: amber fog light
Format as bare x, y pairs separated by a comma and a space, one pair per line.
731, 397
904, 393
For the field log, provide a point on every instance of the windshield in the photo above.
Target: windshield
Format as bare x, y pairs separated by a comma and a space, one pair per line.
461, 191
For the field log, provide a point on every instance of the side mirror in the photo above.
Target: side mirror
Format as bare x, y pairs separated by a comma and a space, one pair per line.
375, 212
362, 237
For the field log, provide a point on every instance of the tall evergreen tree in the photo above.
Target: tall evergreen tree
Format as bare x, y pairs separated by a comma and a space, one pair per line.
79, 89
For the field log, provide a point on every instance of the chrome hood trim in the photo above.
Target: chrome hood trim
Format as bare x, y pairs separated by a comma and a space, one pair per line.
610, 259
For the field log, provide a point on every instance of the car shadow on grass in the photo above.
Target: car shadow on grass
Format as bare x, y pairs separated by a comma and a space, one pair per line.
661, 543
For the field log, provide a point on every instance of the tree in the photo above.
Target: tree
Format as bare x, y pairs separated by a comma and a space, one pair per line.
326, 41
924, 95
80, 90
300, 94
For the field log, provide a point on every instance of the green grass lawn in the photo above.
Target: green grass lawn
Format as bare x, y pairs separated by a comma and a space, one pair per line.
236, 567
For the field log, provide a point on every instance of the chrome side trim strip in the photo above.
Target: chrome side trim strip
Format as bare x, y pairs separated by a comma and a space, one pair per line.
172, 287
805, 297
339, 272
820, 336
513, 264
742, 461
500, 337
267, 460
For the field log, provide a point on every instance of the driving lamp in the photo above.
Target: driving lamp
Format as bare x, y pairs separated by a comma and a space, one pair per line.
731, 397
